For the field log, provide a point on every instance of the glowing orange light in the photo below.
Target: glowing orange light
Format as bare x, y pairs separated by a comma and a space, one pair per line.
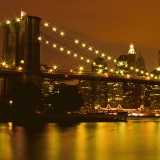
54, 45
46, 24
61, 49
76, 41
82, 58
39, 38
90, 48
68, 52
20, 68
18, 19
75, 55
54, 29
83, 45
96, 51
62, 33
8, 22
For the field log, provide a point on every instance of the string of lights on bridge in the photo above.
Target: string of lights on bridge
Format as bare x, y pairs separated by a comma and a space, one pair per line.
89, 48
70, 51
79, 43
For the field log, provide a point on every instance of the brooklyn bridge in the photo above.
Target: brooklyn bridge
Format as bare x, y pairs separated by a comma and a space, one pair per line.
35, 50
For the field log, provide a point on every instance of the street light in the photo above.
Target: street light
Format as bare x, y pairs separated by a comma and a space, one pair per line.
10, 102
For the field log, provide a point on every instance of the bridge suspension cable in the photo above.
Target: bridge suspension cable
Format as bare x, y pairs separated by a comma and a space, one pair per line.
78, 43
70, 48
76, 49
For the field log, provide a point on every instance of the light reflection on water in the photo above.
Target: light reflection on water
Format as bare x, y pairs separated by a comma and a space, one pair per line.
133, 140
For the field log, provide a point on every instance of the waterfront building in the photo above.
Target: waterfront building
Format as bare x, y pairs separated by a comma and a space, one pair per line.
86, 90
115, 93
155, 91
147, 90
47, 86
99, 93
132, 95
94, 93
154, 97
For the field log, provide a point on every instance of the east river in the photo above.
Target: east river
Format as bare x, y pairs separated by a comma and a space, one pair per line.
136, 139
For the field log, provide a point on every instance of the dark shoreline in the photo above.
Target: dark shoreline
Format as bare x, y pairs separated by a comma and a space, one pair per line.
69, 118
64, 118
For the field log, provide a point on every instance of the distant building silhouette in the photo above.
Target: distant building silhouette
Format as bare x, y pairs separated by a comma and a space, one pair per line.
140, 63
122, 63
99, 65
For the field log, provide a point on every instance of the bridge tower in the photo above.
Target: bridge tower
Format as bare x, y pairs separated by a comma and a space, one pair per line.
21, 47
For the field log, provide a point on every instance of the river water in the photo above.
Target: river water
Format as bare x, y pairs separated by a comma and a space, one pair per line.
136, 139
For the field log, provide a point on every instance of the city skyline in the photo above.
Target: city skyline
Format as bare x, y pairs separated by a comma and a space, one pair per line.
106, 25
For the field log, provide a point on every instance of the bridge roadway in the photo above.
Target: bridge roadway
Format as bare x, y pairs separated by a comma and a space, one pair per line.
7, 72
71, 75
68, 75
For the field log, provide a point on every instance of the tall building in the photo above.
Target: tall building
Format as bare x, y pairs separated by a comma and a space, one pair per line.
132, 95
147, 91
131, 56
155, 91
99, 93
86, 89
155, 97
94, 92
115, 93
140, 63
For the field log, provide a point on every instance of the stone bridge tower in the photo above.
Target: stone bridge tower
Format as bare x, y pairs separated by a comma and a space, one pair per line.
22, 48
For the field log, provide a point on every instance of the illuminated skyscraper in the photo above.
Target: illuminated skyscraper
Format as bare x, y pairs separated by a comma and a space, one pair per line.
99, 93
155, 97
86, 89
115, 93
132, 94
131, 56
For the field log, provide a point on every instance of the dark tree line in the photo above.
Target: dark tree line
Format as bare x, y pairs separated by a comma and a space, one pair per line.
67, 99
27, 97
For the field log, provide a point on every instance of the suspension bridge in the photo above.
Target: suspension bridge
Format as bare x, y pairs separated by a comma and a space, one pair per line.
63, 54
34, 49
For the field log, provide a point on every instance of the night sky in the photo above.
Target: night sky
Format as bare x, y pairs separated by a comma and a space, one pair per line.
105, 24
